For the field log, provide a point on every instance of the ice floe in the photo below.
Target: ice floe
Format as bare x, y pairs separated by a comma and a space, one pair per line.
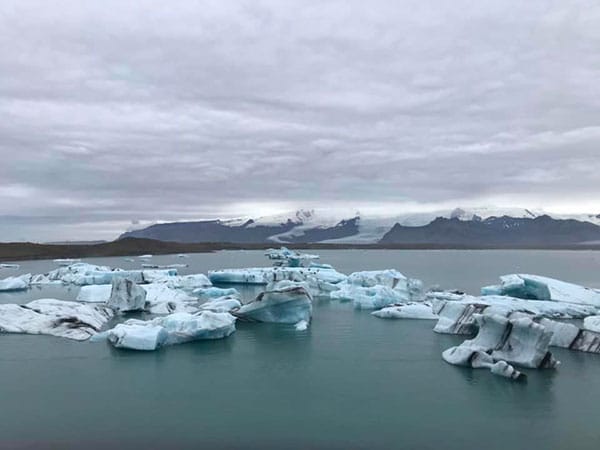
19, 283
54, 317
592, 323
214, 292
282, 302
456, 310
519, 341
175, 328
266, 275
126, 296
221, 304
536, 287
407, 311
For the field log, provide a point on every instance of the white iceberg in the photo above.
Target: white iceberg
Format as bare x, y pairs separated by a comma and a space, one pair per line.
407, 311
175, 328
266, 275
94, 293
19, 283
61, 318
535, 287
477, 359
283, 302
66, 261
126, 296
9, 266
521, 342
215, 292
301, 326
592, 323
221, 304
374, 297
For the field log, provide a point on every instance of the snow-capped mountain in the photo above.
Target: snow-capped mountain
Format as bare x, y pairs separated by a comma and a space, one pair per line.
322, 226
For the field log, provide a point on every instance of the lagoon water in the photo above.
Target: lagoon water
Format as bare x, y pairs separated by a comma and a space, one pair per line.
350, 381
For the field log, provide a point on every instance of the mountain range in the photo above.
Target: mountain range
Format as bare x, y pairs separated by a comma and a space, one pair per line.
460, 227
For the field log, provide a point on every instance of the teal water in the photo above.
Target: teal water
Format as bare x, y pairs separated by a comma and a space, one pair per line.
350, 381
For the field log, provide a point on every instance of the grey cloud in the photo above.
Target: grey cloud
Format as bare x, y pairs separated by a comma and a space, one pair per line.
114, 111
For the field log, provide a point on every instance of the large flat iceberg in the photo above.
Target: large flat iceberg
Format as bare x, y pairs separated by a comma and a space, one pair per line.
54, 317
407, 311
175, 328
266, 275
19, 283
536, 287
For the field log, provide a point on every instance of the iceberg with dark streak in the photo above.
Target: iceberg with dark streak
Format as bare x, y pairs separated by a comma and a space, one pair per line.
282, 302
266, 275
521, 342
53, 317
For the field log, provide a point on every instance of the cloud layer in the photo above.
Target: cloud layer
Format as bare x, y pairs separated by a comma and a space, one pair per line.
114, 111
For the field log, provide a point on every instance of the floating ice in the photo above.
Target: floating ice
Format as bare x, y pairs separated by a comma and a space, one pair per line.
266, 275
289, 257
301, 326
407, 311
54, 317
172, 329
477, 359
95, 293
9, 266
83, 274
19, 283
283, 302
66, 261
568, 335
221, 304
592, 323
535, 287
456, 310
374, 297
521, 342
126, 296
214, 292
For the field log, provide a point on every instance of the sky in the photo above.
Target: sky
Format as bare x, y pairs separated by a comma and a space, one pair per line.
121, 112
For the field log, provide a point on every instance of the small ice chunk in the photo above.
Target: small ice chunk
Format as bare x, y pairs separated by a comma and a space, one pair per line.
301, 326
408, 311
221, 304
137, 337
215, 292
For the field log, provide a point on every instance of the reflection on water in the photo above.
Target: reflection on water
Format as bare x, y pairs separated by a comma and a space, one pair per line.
349, 381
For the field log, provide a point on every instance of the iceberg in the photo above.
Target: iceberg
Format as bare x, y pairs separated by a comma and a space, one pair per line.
66, 261
374, 297
126, 296
301, 326
20, 283
592, 323
456, 310
60, 318
215, 292
266, 275
173, 329
477, 359
378, 289
535, 287
83, 274
570, 336
9, 266
221, 304
407, 311
520, 341
282, 302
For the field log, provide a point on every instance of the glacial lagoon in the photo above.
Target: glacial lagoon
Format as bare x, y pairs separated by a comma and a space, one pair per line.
349, 381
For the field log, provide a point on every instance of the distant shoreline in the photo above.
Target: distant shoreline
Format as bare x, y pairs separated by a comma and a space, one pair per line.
19, 251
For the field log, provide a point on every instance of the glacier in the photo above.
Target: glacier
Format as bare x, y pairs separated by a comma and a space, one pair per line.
53, 317
282, 302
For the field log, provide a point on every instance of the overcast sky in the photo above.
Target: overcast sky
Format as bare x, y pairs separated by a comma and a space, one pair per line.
113, 111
